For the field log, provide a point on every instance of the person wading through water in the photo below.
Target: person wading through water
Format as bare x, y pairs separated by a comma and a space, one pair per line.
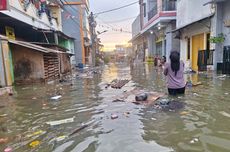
174, 71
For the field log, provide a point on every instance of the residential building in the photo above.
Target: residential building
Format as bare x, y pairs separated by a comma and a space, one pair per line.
27, 30
193, 30
75, 24
197, 30
221, 25
139, 42
157, 19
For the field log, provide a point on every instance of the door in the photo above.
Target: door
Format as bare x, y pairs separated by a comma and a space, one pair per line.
197, 44
226, 60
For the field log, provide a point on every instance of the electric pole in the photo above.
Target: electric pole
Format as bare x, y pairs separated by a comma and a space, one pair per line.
93, 24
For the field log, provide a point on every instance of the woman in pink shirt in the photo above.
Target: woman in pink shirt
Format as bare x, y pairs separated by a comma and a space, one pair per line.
174, 71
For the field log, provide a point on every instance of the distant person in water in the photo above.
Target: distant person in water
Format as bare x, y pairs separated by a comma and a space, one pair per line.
174, 71
163, 61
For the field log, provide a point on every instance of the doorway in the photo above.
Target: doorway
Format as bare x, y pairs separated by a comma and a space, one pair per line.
197, 44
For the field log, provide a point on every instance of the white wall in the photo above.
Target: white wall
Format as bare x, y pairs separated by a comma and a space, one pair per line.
226, 16
188, 33
136, 26
30, 16
189, 11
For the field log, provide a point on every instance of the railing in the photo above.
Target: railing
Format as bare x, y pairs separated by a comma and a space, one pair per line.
152, 12
168, 5
40, 6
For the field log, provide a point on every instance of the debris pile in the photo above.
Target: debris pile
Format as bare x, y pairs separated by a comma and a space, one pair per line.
118, 84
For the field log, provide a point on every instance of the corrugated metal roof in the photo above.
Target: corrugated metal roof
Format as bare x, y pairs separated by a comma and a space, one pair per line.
33, 46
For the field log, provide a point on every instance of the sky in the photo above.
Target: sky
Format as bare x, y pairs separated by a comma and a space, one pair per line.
114, 21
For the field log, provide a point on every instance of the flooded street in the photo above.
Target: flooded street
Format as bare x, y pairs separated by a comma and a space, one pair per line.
29, 120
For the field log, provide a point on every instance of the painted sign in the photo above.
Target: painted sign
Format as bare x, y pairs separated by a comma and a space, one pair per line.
10, 32
227, 23
3, 5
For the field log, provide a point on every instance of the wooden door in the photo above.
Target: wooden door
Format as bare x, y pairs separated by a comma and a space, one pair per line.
197, 44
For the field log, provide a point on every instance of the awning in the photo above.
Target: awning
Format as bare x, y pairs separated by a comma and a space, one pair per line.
33, 46
135, 37
214, 2
185, 26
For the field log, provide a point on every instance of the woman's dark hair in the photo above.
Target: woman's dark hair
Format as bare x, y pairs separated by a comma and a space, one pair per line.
175, 61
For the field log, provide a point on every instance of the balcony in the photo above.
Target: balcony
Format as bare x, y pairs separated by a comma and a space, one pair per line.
168, 5
152, 12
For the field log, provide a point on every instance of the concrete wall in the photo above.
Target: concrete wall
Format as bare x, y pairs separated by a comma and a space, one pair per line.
56, 12
72, 28
30, 16
189, 11
226, 16
28, 64
136, 26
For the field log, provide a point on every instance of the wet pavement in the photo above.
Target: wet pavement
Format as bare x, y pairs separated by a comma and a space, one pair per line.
80, 120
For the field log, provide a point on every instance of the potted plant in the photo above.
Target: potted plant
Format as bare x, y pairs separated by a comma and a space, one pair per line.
217, 39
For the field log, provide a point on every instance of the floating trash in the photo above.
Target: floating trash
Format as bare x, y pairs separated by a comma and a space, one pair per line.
59, 122
141, 97
118, 100
34, 143
184, 113
3, 140
114, 116
194, 140
8, 149
127, 114
153, 119
60, 138
56, 97
3, 115
225, 114
79, 129
36, 133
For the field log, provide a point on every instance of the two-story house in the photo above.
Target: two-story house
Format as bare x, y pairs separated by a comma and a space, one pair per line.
157, 18
32, 45
199, 31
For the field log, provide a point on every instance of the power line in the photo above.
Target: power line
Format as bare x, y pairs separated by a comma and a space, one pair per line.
121, 20
107, 11
117, 29
62, 5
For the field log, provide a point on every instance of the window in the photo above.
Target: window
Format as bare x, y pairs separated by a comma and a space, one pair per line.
144, 6
188, 49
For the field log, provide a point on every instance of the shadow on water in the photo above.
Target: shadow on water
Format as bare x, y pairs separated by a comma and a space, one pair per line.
200, 122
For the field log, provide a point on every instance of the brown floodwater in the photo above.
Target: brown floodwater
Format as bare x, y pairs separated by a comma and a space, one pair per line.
30, 119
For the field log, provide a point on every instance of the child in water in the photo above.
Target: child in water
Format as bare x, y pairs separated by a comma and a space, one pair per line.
174, 71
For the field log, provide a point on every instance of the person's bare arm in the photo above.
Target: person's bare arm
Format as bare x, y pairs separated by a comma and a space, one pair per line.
166, 69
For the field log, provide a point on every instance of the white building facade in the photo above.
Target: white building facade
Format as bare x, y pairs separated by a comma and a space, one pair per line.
157, 19
198, 22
